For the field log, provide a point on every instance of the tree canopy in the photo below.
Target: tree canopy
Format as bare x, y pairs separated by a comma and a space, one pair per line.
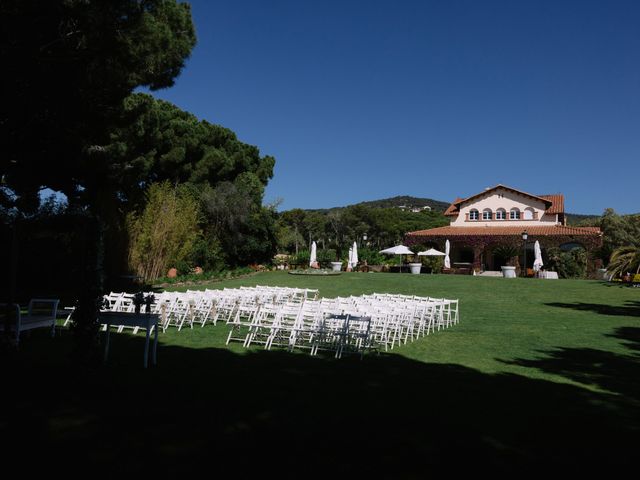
338, 228
68, 66
156, 141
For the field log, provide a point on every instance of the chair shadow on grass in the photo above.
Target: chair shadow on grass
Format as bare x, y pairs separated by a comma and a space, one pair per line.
295, 416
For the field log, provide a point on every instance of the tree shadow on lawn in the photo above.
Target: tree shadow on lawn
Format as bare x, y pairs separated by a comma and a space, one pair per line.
631, 308
631, 336
292, 415
606, 370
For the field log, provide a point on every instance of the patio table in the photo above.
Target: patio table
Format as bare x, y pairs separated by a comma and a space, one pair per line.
142, 320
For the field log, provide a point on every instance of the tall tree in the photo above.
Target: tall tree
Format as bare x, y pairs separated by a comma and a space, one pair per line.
156, 141
68, 66
244, 228
618, 231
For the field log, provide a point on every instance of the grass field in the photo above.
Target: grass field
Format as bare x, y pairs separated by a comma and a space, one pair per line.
539, 376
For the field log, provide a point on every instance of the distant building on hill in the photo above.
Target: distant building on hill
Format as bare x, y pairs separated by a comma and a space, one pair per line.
499, 216
413, 209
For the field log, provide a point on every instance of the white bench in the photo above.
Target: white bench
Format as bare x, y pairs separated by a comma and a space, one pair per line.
41, 313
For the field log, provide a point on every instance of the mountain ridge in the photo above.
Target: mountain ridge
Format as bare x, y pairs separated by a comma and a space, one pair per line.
436, 206
391, 202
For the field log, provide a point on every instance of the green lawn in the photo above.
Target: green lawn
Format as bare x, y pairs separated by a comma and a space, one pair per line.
539, 375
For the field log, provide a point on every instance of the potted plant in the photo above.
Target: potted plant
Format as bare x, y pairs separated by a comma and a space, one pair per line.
510, 254
415, 266
336, 265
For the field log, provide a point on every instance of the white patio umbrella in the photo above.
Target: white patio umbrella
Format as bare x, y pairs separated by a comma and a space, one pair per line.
537, 263
350, 259
431, 252
313, 257
397, 250
447, 260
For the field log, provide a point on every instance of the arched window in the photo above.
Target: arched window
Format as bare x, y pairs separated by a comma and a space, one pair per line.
501, 214
514, 214
528, 214
487, 214
474, 214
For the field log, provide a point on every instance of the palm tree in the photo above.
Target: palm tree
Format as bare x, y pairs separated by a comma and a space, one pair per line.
508, 252
624, 259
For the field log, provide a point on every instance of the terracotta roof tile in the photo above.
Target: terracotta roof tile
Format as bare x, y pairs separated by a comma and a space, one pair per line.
520, 192
558, 203
453, 208
534, 230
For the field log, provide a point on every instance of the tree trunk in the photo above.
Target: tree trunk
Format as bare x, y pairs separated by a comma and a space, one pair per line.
85, 318
15, 254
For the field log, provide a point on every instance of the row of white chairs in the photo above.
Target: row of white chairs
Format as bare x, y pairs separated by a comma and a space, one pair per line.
342, 324
180, 309
307, 325
296, 319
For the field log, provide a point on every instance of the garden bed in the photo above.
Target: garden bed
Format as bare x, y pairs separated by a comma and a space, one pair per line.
322, 272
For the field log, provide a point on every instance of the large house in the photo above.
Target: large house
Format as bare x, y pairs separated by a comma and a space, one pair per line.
499, 216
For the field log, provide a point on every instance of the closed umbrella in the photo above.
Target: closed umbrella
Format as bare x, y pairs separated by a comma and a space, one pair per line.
447, 261
350, 259
537, 263
354, 258
313, 261
397, 250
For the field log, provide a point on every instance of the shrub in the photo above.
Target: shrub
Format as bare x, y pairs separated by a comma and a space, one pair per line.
207, 254
434, 263
371, 256
207, 276
164, 233
326, 256
301, 258
183, 267
571, 264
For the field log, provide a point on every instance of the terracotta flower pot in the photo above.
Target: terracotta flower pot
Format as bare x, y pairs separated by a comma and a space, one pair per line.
172, 273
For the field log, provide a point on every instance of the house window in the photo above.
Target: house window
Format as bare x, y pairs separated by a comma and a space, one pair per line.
528, 214
486, 214
501, 214
514, 214
474, 215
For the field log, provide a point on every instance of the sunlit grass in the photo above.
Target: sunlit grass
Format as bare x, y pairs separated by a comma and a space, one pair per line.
502, 320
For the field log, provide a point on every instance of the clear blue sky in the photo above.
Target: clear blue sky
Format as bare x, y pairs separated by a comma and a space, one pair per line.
361, 100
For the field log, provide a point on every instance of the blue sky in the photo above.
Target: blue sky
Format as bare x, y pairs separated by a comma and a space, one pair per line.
361, 100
